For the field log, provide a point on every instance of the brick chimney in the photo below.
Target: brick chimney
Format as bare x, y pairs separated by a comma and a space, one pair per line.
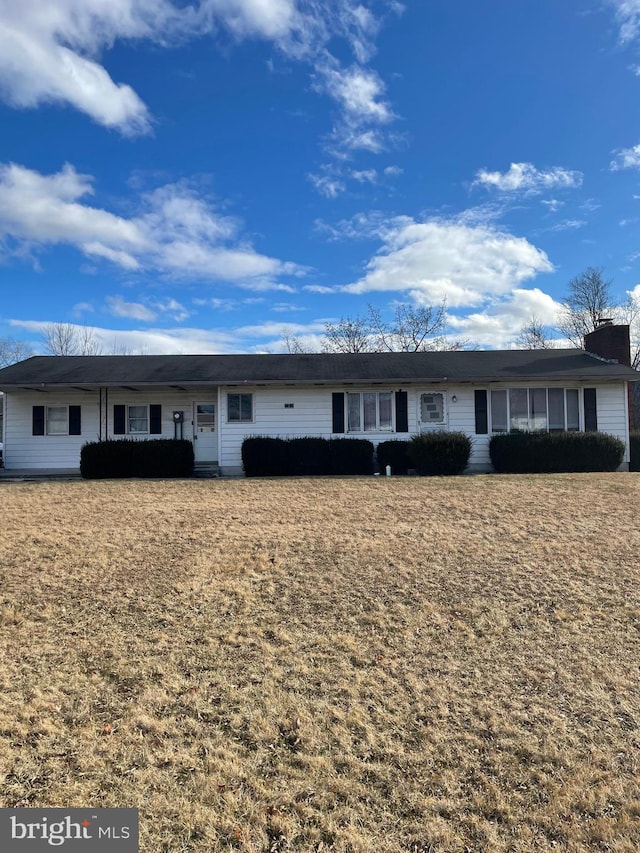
610, 341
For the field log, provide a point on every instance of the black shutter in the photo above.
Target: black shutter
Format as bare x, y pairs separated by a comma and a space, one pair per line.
75, 420
482, 421
37, 420
590, 410
402, 412
155, 419
119, 420
338, 412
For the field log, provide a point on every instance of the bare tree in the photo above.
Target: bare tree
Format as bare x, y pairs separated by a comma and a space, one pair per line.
68, 339
349, 335
414, 329
535, 335
12, 350
588, 302
630, 313
292, 342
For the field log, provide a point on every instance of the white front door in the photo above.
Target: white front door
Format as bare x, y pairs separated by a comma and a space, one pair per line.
205, 439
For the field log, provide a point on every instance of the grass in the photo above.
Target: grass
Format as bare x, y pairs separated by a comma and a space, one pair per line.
366, 665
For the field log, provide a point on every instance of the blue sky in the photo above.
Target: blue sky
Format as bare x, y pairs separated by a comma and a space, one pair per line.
200, 176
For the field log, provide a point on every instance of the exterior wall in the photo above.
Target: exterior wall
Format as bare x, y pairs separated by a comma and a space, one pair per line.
24, 450
311, 415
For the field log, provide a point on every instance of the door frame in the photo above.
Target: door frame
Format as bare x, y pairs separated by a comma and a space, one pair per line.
213, 400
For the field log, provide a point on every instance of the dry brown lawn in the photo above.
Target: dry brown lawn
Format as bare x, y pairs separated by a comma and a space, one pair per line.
362, 665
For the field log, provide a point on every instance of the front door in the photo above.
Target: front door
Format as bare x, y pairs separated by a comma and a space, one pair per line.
205, 440
432, 413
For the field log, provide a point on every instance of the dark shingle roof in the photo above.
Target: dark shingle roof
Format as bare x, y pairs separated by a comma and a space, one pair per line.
323, 368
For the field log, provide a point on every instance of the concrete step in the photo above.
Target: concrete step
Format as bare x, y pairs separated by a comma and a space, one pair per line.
206, 470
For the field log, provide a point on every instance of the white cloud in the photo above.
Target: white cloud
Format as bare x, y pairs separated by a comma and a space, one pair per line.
50, 50
130, 310
393, 171
626, 158
176, 232
328, 186
286, 308
362, 226
553, 204
173, 308
635, 293
628, 17
365, 176
569, 225
449, 259
243, 339
500, 322
46, 209
276, 20
227, 304
361, 93
48, 53
525, 178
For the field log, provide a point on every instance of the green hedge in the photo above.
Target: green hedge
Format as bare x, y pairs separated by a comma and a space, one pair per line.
555, 452
308, 457
394, 453
439, 453
161, 457
263, 456
635, 452
350, 456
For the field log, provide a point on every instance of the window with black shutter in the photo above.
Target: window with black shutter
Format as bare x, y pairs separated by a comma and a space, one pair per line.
37, 420
482, 420
590, 410
337, 401
75, 420
402, 412
155, 419
119, 420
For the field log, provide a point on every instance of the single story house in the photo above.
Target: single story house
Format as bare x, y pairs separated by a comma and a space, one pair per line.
54, 404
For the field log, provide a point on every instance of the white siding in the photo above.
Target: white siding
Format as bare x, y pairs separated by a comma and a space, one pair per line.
24, 450
311, 415
613, 413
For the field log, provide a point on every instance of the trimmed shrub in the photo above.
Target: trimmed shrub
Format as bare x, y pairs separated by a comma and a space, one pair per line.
439, 453
351, 456
634, 465
394, 453
161, 457
263, 456
309, 456
555, 452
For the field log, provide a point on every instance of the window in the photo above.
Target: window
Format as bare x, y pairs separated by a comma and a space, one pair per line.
432, 409
499, 419
240, 408
535, 410
137, 419
369, 411
57, 420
